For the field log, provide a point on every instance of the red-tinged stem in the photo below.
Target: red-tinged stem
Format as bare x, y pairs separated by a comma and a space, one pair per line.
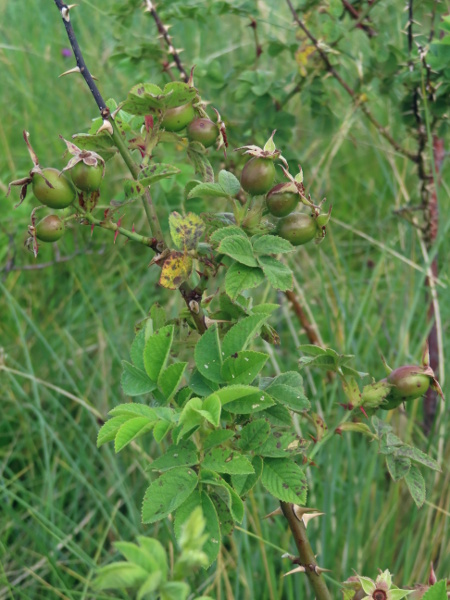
306, 556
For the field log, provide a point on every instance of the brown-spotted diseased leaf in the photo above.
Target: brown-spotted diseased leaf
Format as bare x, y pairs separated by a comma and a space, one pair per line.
186, 231
176, 269
133, 189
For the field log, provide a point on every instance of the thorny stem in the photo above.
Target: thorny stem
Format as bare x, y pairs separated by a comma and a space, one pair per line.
356, 15
302, 317
65, 14
165, 35
258, 47
382, 130
306, 556
134, 169
362, 15
131, 235
429, 203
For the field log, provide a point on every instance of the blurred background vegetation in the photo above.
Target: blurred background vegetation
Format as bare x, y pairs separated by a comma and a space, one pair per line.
67, 318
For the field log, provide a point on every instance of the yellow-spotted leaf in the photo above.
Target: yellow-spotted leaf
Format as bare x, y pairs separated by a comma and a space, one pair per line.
176, 269
186, 230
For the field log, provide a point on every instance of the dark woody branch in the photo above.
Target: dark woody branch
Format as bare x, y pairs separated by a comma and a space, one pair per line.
164, 33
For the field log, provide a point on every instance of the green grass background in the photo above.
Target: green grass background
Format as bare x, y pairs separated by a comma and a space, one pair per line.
65, 328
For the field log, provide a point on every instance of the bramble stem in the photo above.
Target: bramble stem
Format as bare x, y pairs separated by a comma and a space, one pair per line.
306, 556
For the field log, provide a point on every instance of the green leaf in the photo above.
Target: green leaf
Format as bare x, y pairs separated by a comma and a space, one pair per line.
271, 244
143, 99
131, 430
313, 350
200, 385
186, 230
182, 455
225, 232
134, 381
137, 555
161, 429
239, 277
285, 480
265, 309
170, 378
177, 269
150, 585
207, 190
226, 519
239, 248
241, 334
109, 430
253, 435
229, 183
327, 358
438, 591
244, 367
278, 415
398, 467
134, 409
157, 351
292, 379
250, 405
156, 172
177, 93
217, 437
102, 143
137, 350
158, 316
156, 551
417, 456
208, 355
133, 189
243, 399
244, 483
287, 389
211, 408
279, 275
234, 503
280, 445
174, 590
196, 411
120, 574
184, 394
224, 460
203, 168
416, 486
167, 493
201, 499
